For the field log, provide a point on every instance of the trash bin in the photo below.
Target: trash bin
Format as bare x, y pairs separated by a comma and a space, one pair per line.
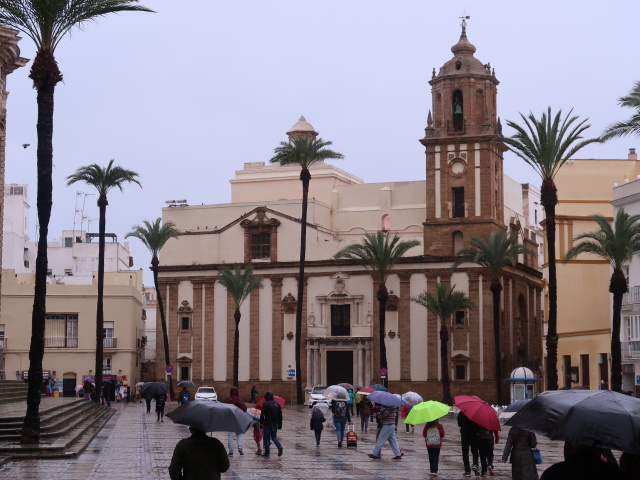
56, 394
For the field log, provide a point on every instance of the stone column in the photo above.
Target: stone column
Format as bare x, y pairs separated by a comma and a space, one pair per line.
276, 329
433, 334
361, 366
404, 327
254, 336
197, 329
476, 343
208, 341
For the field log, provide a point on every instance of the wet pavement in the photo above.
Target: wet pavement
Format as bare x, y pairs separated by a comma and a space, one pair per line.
133, 445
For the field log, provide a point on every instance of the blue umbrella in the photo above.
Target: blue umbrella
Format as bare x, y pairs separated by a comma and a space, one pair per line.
380, 388
385, 398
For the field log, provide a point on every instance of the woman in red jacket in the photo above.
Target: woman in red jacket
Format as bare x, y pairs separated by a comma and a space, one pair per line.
433, 433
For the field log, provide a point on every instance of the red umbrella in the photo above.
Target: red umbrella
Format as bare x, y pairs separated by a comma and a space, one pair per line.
278, 399
366, 391
478, 411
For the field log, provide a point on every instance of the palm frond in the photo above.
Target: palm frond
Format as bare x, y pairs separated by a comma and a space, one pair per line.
631, 126
304, 152
103, 179
154, 235
239, 283
445, 303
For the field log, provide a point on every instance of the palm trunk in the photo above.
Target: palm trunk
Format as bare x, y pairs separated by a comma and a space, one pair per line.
444, 365
496, 288
45, 75
618, 287
305, 177
102, 204
383, 296
163, 321
549, 200
236, 346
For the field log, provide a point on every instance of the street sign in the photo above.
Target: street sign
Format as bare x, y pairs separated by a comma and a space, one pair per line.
168, 369
291, 373
383, 372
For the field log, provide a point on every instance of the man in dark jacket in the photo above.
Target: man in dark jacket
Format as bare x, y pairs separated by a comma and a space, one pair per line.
469, 439
234, 399
271, 421
198, 457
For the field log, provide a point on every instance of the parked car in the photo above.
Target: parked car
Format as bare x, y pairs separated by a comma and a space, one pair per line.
206, 394
317, 396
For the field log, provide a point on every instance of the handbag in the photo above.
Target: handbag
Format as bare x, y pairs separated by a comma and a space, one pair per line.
537, 456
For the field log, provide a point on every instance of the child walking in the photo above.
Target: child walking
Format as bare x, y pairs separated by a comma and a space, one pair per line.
316, 423
433, 433
257, 436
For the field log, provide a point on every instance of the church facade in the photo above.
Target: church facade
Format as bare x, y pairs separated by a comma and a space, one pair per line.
463, 195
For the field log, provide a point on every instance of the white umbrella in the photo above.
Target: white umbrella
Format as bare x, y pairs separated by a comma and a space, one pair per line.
336, 392
412, 397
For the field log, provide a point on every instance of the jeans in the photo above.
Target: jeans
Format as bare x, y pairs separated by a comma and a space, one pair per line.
469, 441
318, 433
340, 423
364, 422
388, 432
485, 448
434, 456
230, 441
270, 433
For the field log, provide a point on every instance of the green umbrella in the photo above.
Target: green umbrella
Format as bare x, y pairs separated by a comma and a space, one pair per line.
426, 412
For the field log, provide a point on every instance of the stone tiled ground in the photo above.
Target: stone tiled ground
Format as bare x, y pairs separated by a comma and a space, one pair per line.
134, 446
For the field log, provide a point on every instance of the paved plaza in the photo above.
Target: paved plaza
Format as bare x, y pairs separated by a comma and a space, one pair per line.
133, 445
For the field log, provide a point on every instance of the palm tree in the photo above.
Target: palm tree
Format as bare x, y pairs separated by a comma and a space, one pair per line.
103, 179
154, 236
239, 284
304, 152
616, 245
46, 22
546, 144
494, 252
379, 253
443, 306
631, 126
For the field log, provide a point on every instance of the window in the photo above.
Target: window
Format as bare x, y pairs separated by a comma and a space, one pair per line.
460, 372
584, 363
184, 323
184, 373
459, 318
458, 108
68, 242
260, 245
340, 320
109, 341
61, 330
458, 202
458, 242
1, 336
68, 272
567, 370
106, 365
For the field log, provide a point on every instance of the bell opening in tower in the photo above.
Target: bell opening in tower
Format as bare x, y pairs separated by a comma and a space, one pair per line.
458, 121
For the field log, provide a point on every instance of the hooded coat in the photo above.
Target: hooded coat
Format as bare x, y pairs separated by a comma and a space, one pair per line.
234, 399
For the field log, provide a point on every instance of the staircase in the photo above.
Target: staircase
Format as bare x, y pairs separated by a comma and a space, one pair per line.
13, 391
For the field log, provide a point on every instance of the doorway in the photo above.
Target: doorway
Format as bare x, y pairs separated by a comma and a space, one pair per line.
339, 367
69, 387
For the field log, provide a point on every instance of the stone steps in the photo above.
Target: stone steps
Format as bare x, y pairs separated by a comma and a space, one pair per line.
12, 391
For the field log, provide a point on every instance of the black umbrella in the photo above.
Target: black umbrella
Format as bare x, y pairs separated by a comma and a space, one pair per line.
599, 418
517, 405
186, 383
154, 388
212, 417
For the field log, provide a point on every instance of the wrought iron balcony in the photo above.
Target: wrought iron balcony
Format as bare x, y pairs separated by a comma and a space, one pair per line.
110, 342
60, 342
633, 296
630, 349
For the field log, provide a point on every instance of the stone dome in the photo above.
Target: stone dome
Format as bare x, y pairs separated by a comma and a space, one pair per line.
463, 62
302, 126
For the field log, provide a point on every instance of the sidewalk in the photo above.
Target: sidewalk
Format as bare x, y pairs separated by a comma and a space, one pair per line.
134, 445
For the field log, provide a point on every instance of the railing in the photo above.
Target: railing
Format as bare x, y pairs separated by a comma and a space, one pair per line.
110, 342
3, 343
61, 342
630, 349
633, 296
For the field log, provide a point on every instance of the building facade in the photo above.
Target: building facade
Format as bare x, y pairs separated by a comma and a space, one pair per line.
463, 195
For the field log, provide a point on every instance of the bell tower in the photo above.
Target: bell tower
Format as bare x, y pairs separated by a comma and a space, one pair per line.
464, 162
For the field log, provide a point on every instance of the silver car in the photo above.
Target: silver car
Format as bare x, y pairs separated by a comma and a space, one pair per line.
206, 394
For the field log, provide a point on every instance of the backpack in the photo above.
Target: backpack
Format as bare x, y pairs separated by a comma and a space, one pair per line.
433, 437
340, 409
365, 410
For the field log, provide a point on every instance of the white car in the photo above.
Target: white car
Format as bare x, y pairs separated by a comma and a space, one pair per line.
316, 396
206, 394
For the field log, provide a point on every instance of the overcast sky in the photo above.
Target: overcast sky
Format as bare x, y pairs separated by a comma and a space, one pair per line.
187, 95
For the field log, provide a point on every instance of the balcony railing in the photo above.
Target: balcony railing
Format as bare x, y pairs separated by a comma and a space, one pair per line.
110, 342
633, 296
3, 343
61, 342
630, 349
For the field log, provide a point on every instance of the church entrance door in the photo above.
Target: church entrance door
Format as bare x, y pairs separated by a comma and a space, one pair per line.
339, 367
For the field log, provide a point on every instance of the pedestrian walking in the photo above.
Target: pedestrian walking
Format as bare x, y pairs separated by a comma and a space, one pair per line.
433, 434
518, 451
387, 418
316, 423
585, 462
257, 437
254, 392
197, 457
469, 440
87, 386
406, 408
138, 396
271, 420
365, 407
234, 399
160, 402
486, 440
106, 393
147, 399
340, 410
184, 396
352, 400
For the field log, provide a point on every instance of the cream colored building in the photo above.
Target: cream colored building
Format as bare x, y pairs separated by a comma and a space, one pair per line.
584, 302
465, 193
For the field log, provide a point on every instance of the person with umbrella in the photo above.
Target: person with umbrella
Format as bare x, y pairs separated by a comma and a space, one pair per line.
518, 447
316, 422
584, 462
161, 400
433, 433
387, 417
271, 420
198, 456
234, 399
365, 412
469, 440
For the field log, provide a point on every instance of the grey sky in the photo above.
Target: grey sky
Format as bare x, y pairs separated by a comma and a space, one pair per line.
185, 96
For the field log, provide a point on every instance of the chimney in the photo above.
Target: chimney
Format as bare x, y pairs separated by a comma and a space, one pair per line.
632, 154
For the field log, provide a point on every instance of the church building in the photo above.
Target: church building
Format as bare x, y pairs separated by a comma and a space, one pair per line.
464, 194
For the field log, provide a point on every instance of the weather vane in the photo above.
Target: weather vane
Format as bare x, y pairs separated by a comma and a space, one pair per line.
464, 18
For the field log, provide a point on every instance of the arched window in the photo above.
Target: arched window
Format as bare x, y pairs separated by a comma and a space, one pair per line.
458, 242
386, 222
458, 111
